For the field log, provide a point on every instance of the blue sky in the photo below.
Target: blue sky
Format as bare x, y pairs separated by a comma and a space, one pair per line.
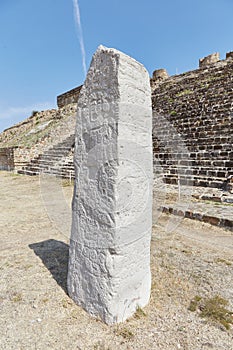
40, 55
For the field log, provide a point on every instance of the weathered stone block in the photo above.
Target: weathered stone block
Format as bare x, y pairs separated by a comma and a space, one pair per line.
109, 263
205, 61
7, 158
68, 97
229, 55
160, 75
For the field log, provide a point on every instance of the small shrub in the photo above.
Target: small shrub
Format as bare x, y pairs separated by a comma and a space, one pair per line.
74, 314
67, 182
34, 113
213, 309
223, 261
17, 297
66, 303
100, 346
45, 300
173, 113
125, 333
194, 303
139, 313
28, 266
184, 92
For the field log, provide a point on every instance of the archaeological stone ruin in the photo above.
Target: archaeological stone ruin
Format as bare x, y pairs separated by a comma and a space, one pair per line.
197, 103
195, 107
109, 263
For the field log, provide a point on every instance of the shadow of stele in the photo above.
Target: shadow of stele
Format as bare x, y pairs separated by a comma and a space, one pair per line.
54, 255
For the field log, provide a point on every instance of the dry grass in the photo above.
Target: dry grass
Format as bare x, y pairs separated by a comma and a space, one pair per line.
17, 297
213, 309
125, 333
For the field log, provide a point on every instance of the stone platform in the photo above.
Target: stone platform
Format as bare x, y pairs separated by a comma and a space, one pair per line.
212, 206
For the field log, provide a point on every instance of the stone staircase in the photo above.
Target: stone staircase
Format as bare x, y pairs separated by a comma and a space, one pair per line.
192, 160
203, 161
193, 120
192, 130
56, 160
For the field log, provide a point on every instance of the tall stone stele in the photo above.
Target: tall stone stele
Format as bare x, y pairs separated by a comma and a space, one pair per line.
109, 258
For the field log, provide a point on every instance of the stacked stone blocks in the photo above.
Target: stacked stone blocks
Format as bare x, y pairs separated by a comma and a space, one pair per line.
199, 105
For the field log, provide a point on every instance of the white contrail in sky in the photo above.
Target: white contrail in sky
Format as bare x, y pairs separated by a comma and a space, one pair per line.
80, 34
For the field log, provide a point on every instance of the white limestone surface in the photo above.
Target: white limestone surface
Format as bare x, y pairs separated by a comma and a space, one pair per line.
109, 259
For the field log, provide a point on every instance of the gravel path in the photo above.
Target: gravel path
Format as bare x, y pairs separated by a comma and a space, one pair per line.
192, 259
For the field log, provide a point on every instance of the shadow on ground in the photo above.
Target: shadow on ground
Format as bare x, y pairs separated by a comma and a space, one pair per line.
54, 255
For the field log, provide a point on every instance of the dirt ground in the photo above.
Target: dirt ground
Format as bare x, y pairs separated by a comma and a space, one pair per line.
195, 259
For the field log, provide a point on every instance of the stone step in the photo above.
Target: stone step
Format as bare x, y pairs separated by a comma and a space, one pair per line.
27, 172
55, 160
63, 145
213, 155
196, 156
58, 172
47, 165
52, 154
193, 180
191, 126
170, 142
49, 160
191, 170
68, 167
223, 163
222, 219
190, 140
196, 122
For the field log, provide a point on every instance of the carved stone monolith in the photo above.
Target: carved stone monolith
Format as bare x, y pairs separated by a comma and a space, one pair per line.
109, 258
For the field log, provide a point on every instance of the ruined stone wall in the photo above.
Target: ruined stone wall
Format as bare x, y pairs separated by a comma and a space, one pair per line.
22, 132
199, 105
68, 97
6, 159
37, 133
